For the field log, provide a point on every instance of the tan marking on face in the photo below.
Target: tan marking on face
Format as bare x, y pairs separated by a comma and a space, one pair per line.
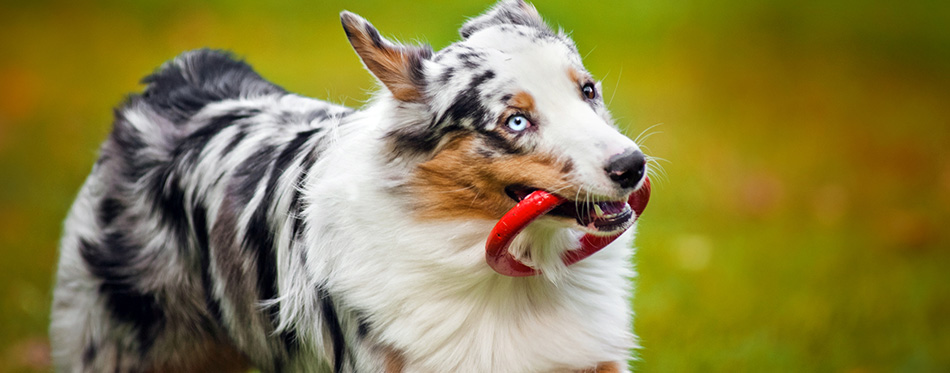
460, 182
576, 75
567, 167
523, 101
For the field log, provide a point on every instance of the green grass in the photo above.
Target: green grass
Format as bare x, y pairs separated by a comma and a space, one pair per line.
800, 224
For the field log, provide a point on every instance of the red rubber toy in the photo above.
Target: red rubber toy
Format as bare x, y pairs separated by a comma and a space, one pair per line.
533, 206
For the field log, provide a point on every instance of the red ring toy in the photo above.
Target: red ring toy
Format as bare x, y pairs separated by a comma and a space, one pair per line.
533, 206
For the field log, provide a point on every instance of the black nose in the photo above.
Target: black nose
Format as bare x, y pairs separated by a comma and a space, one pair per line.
627, 168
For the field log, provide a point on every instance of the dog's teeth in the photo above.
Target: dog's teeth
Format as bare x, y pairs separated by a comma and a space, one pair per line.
598, 210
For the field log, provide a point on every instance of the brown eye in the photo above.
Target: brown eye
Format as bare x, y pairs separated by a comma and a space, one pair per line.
588, 91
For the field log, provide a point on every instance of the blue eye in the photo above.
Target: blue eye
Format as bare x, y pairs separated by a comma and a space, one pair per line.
518, 123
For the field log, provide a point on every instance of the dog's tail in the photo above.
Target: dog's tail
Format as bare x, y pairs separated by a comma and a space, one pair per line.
152, 125
183, 86
186, 84
156, 130
161, 116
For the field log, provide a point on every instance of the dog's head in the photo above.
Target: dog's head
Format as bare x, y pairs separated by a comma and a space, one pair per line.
507, 110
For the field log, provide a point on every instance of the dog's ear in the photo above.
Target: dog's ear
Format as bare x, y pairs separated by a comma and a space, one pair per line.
398, 67
506, 12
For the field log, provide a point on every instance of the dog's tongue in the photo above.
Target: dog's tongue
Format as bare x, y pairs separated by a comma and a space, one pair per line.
533, 206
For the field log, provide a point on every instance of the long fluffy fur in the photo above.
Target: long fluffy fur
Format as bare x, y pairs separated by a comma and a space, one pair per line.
229, 223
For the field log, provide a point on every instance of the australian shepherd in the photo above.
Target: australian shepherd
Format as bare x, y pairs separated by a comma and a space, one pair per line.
230, 224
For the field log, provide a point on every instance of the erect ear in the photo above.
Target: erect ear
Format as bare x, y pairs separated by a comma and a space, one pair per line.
506, 12
399, 67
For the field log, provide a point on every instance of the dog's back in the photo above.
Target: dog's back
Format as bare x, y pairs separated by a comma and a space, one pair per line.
207, 140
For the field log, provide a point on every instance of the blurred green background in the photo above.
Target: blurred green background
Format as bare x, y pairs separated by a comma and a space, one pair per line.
801, 224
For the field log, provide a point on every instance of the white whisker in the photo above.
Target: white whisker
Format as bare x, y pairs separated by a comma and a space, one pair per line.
640, 138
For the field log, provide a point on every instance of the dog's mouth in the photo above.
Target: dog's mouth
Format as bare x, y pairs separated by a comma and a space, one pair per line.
604, 222
600, 217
